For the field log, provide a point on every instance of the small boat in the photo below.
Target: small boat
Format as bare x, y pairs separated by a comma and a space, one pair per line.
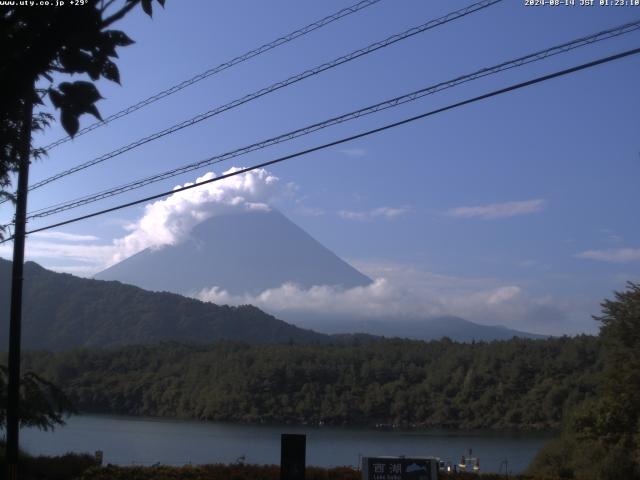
469, 463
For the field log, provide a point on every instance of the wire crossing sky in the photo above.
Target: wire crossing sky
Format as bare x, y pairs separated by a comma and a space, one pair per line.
343, 140
409, 97
220, 68
455, 15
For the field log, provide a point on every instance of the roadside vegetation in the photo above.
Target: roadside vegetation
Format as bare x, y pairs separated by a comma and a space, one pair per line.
257, 472
85, 467
601, 438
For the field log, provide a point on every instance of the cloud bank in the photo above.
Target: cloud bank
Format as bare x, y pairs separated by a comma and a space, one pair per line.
368, 215
498, 210
68, 237
613, 255
400, 291
353, 152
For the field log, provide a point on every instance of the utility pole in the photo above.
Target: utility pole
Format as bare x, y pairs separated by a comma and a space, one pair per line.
505, 462
15, 323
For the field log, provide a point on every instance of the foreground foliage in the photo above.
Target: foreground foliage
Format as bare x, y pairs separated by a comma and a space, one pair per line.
256, 472
601, 438
85, 467
526, 384
42, 404
68, 466
72, 466
40, 43
214, 472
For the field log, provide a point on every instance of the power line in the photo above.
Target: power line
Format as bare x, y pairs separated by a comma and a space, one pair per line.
524, 60
494, 93
223, 66
276, 86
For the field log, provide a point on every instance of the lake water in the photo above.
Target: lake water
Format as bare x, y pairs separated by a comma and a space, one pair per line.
136, 440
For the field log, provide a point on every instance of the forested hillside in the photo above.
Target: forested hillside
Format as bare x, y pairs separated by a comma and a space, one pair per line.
526, 384
62, 311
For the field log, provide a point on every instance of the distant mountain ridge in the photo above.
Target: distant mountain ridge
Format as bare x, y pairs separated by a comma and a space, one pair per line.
430, 328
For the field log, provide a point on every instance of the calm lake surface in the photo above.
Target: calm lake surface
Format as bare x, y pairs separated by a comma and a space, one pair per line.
136, 440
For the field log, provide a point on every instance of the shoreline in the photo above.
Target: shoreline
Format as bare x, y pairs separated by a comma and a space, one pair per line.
127, 440
377, 427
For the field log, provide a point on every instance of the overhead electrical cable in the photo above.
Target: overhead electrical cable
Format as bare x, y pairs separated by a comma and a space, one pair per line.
223, 66
524, 60
276, 86
485, 96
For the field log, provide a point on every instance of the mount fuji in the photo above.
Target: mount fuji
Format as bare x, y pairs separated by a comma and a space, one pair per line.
240, 253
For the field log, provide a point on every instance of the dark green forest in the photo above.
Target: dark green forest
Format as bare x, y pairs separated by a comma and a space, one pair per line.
523, 384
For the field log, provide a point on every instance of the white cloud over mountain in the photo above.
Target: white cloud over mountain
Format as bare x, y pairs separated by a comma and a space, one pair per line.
164, 222
168, 221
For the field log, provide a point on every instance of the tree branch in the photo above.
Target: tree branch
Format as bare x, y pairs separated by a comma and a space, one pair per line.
120, 13
104, 6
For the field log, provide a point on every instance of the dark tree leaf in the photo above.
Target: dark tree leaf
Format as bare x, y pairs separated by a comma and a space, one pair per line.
146, 6
66, 88
94, 111
161, 2
56, 98
121, 39
107, 46
80, 93
75, 61
110, 71
69, 122
94, 69
37, 100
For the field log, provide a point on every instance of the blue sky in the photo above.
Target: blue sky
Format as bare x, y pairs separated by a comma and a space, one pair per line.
525, 202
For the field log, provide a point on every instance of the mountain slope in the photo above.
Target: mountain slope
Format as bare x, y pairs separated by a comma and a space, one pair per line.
241, 253
61, 311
